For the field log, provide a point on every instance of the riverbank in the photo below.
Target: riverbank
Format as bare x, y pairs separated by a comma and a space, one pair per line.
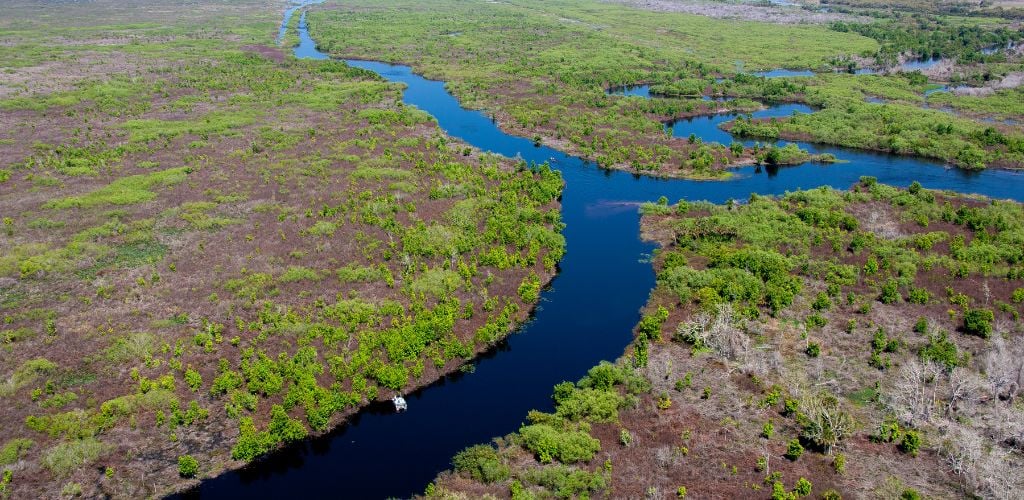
784, 378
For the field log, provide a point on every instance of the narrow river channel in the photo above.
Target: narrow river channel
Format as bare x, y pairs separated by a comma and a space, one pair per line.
586, 315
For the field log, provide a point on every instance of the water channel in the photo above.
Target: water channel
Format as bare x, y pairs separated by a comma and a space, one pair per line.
585, 316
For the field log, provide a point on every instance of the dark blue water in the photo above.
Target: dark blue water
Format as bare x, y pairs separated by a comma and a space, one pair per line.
707, 127
586, 315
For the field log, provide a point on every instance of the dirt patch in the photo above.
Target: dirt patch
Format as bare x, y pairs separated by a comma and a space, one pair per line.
777, 14
273, 53
1010, 81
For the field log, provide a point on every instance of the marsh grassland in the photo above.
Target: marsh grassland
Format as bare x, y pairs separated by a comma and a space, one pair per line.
218, 248
211, 249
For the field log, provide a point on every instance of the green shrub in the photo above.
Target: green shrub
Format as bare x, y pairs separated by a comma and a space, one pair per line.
1018, 295
822, 302
603, 376
910, 494
193, 379
392, 375
298, 273
263, 375
839, 463
529, 289
816, 321
918, 296
549, 443
882, 343
794, 449
228, 380
284, 428
772, 397
188, 466
813, 349
790, 406
5, 481
625, 438
921, 326
779, 491
943, 351
590, 404
803, 487
14, 449
564, 482
871, 266
359, 274
482, 463
641, 352
888, 432
911, 443
650, 325
890, 292
251, 442
979, 322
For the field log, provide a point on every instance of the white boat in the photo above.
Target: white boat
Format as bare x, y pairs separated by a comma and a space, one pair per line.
400, 404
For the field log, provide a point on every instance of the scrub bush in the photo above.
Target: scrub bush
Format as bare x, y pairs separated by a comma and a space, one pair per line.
911, 443
482, 463
549, 443
979, 322
188, 466
794, 449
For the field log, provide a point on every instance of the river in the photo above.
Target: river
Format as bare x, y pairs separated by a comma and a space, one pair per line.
585, 316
